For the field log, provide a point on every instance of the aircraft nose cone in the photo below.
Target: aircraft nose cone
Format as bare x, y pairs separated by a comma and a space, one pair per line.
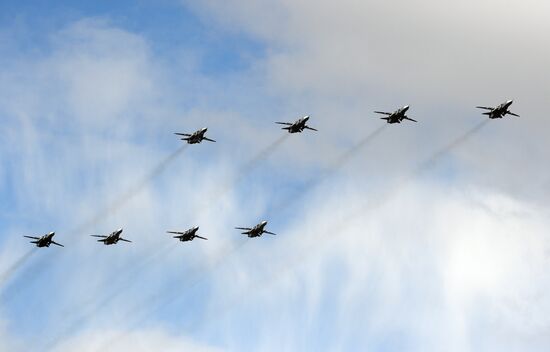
306, 118
406, 107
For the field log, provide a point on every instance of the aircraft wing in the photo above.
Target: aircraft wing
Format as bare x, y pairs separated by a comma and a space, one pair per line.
176, 232
99, 236
57, 244
485, 107
34, 238
208, 139
511, 113
270, 233
383, 113
408, 118
284, 123
123, 239
202, 238
183, 134
243, 228
310, 128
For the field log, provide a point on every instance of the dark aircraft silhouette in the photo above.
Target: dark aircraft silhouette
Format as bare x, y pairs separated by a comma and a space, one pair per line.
44, 241
298, 126
397, 116
196, 137
113, 238
188, 235
255, 231
498, 112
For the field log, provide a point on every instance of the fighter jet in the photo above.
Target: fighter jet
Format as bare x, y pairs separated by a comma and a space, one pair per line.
44, 241
196, 137
255, 231
298, 126
498, 112
188, 235
397, 116
113, 238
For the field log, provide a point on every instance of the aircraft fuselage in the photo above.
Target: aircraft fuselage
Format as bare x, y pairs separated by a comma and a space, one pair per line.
500, 111
398, 115
189, 235
113, 238
197, 137
298, 126
257, 230
45, 241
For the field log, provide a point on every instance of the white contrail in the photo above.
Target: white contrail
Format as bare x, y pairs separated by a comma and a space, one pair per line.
334, 231
133, 191
12, 269
243, 171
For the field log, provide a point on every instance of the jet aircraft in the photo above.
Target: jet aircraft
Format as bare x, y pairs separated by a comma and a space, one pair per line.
298, 126
397, 116
188, 235
113, 238
498, 112
195, 137
255, 231
44, 241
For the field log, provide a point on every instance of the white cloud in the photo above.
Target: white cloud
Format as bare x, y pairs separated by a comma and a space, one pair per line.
138, 340
430, 268
342, 60
443, 270
421, 46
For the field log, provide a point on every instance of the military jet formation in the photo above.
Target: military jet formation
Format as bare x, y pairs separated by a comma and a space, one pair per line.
498, 112
298, 126
183, 236
44, 241
112, 238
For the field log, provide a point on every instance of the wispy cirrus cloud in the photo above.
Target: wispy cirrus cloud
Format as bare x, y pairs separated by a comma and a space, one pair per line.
450, 262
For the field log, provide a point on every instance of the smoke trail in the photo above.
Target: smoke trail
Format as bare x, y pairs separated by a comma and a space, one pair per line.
12, 269
243, 171
336, 230
264, 153
350, 153
388, 194
93, 306
448, 148
335, 166
200, 274
133, 191
248, 167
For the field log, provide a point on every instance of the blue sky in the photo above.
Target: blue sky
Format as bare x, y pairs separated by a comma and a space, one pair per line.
371, 254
